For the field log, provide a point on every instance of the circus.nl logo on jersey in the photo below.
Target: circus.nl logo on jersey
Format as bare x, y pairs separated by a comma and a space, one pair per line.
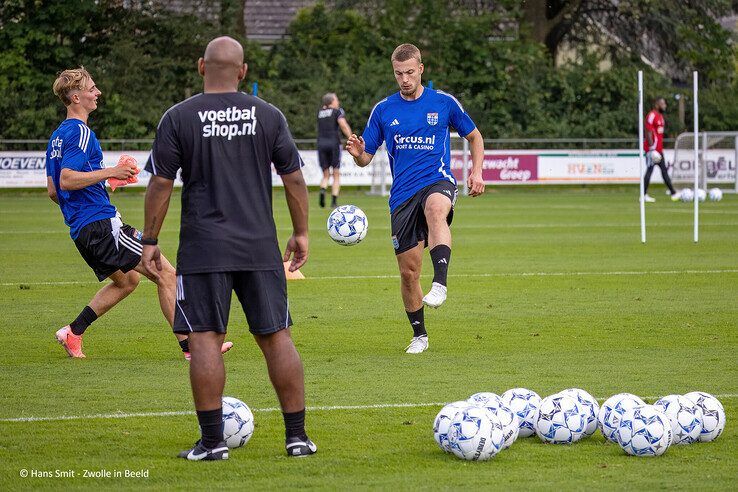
228, 123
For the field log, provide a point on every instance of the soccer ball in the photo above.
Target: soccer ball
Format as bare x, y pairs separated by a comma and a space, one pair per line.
475, 434
238, 422
524, 403
644, 431
701, 194
560, 420
443, 420
713, 415
508, 418
687, 195
347, 225
590, 406
485, 399
716, 194
685, 417
612, 411
656, 156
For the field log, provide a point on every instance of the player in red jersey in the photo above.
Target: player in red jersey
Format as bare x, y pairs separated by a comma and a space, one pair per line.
653, 146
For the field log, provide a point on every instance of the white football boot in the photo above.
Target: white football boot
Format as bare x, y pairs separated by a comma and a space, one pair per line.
436, 296
417, 345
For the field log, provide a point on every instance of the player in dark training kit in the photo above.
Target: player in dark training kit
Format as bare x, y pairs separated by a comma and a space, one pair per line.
414, 124
331, 122
76, 182
225, 141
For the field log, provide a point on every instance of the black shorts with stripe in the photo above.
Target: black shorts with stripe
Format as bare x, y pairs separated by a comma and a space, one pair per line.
204, 301
109, 245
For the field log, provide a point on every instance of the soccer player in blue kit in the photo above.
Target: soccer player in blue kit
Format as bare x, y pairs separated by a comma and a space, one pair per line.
414, 123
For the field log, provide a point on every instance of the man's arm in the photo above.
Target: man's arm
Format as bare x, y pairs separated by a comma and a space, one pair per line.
476, 145
296, 193
75, 180
51, 189
355, 147
156, 205
345, 127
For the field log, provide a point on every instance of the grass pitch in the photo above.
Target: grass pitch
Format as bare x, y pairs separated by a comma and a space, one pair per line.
549, 288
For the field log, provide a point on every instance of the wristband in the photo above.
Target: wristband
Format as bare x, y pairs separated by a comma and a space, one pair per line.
149, 241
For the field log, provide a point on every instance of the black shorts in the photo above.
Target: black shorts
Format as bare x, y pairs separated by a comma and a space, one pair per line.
204, 301
109, 245
329, 156
409, 226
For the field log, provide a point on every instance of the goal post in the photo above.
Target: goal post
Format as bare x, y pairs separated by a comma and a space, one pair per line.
717, 158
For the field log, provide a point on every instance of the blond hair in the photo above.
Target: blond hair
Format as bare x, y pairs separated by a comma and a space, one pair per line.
74, 79
406, 51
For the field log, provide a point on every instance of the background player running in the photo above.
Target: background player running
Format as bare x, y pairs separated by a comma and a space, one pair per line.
225, 142
414, 123
76, 181
654, 149
331, 119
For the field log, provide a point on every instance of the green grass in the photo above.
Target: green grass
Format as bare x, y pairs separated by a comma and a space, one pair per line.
668, 331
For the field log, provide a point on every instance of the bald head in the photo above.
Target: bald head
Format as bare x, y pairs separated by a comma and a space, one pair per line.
222, 65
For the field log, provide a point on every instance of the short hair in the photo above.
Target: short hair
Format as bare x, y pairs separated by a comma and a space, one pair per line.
406, 51
68, 81
328, 98
657, 99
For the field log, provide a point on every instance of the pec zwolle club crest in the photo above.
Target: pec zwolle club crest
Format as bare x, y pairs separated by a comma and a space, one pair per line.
432, 118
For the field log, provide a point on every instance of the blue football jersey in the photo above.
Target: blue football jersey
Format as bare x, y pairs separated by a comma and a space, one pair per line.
417, 137
74, 146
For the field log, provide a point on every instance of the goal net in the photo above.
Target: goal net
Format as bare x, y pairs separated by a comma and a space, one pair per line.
716, 166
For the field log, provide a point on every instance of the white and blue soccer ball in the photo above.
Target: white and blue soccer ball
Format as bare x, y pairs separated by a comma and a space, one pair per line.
701, 194
238, 422
686, 195
715, 194
508, 419
644, 431
560, 420
612, 411
713, 415
524, 403
475, 434
443, 420
589, 405
485, 399
685, 417
347, 225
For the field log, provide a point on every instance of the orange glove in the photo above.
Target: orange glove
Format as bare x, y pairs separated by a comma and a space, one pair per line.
125, 161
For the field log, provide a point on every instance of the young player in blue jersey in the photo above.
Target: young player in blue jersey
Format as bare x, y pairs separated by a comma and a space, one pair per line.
76, 182
414, 124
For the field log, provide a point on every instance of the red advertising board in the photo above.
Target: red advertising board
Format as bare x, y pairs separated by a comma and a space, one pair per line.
501, 167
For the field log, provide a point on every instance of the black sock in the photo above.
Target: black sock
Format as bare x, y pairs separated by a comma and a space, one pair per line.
185, 345
83, 321
211, 426
441, 256
294, 424
334, 200
321, 199
417, 321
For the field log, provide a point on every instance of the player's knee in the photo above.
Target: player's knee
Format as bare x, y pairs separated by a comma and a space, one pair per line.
409, 273
436, 211
129, 281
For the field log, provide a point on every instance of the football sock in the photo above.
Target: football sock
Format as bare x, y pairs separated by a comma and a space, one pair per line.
334, 200
185, 344
321, 200
417, 321
211, 426
441, 256
294, 424
83, 321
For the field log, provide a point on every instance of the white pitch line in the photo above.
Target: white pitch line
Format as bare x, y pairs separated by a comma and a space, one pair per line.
460, 275
378, 406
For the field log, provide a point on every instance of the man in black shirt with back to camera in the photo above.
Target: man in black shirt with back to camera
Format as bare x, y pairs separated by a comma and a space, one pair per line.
224, 141
331, 122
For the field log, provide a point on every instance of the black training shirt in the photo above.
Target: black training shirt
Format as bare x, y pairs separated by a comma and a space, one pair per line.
225, 145
329, 133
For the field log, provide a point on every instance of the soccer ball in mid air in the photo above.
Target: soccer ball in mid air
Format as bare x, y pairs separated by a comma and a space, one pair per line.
589, 404
685, 417
716, 194
475, 434
524, 403
347, 225
443, 420
560, 420
644, 431
713, 415
238, 422
612, 411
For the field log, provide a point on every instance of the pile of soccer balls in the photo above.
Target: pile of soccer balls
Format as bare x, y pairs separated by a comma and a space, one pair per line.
480, 427
687, 194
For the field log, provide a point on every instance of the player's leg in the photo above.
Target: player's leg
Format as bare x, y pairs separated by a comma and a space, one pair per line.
410, 263
263, 296
438, 210
70, 336
201, 311
336, 165
324, 162
647, 179
667, 180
